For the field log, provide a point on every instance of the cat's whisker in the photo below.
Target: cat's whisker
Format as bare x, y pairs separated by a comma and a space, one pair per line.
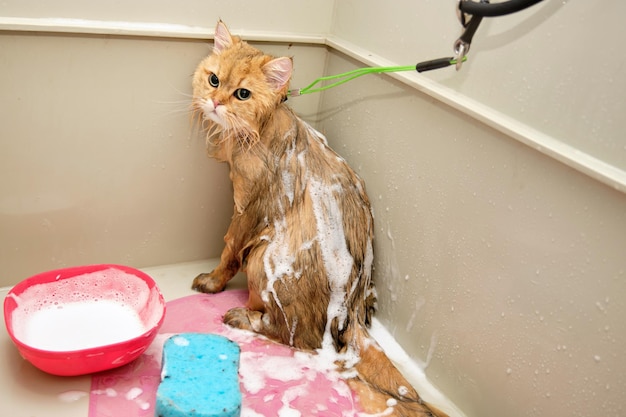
180, 92
173, 113
185, 102
236, 132
174, 108
214, 133
196, 116
241, 133
195, 123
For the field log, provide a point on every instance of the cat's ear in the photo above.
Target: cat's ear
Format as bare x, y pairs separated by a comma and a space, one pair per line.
278, 72
223, 38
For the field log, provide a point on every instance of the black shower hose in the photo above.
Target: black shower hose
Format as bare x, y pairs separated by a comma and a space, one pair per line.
485, 9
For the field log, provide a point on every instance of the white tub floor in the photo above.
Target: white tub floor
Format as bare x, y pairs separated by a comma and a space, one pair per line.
27, 392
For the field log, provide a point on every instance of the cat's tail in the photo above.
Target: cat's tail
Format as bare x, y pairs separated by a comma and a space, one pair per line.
382, 389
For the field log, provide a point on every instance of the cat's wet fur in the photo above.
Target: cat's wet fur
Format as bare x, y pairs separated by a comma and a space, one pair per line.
302, 227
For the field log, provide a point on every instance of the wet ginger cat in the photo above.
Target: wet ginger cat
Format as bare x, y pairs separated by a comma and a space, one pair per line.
302, 226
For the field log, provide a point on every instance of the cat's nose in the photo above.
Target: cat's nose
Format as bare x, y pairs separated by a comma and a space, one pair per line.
215, 103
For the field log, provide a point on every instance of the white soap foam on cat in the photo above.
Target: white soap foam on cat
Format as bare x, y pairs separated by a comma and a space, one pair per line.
86, 311
337, 260
287, 174
336, 257
278, 263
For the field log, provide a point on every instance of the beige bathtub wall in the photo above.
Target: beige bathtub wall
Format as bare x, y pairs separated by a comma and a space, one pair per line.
499, 267
498, 191
100, 159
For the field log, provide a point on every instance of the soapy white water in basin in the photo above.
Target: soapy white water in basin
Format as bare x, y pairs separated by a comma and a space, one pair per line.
80, 325
85, 311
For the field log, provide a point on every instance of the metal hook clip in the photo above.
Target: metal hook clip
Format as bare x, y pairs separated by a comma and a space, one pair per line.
462, 45
460, 51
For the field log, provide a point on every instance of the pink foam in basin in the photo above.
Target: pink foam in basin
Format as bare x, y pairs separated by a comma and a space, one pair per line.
275, 380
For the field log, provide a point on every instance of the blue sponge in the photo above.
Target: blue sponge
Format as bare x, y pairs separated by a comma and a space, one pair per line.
199, 377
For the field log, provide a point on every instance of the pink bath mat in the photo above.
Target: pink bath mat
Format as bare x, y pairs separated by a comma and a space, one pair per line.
275, 380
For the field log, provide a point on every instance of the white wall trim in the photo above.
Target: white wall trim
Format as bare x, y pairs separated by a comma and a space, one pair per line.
546, 144
144, 29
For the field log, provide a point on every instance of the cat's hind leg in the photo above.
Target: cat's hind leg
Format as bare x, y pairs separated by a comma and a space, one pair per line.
269, 324
249, 317
290, 310
264, 313
245, 319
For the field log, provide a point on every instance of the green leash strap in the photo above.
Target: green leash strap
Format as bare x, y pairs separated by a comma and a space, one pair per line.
351, 75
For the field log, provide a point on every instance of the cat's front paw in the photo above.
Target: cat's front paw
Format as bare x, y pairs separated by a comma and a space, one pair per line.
208, 283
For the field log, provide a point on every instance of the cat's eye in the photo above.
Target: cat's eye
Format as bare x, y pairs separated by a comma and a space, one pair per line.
242, 94
214, 81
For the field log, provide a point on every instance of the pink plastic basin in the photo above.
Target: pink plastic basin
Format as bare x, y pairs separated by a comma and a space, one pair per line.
38, 316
